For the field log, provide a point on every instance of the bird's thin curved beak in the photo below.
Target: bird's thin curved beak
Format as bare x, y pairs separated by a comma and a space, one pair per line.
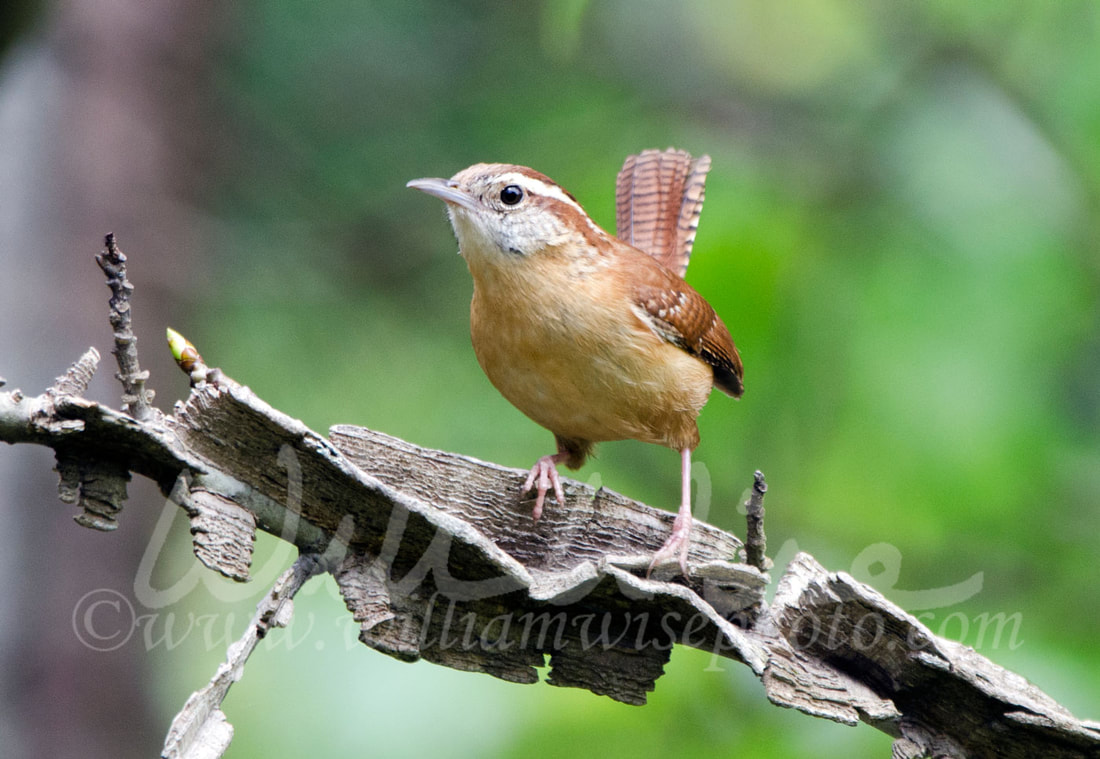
446, 190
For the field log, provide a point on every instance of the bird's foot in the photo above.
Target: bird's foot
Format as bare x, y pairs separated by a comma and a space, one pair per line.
544, 475
676, 547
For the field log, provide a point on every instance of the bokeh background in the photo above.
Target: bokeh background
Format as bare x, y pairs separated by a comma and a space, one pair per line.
901, 231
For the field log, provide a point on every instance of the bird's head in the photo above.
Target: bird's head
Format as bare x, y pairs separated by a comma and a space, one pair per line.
503, 212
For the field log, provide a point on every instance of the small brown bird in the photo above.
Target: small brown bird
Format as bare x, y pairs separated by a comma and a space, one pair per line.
593, 337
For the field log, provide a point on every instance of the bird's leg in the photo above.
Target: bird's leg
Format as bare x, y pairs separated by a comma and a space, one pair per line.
544, 475
678, 542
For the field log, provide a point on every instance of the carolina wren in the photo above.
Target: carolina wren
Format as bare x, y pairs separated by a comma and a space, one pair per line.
592, 336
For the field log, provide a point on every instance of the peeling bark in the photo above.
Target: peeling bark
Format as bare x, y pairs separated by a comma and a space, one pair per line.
438, 559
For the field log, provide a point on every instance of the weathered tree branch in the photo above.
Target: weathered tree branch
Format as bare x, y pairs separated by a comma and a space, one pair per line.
437, 558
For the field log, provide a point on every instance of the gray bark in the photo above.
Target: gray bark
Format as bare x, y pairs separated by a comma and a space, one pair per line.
437, 558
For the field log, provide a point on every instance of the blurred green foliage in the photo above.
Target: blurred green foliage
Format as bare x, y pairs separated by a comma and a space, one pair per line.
900, 231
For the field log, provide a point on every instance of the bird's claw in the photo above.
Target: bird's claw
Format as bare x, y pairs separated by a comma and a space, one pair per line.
544, 475
676, 547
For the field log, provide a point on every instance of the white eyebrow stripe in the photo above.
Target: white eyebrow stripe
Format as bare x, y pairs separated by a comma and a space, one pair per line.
547, 190
540, 187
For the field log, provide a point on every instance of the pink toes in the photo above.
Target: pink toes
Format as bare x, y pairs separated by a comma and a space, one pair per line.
544, 475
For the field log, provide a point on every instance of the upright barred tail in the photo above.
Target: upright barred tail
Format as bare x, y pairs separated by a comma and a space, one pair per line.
658, 199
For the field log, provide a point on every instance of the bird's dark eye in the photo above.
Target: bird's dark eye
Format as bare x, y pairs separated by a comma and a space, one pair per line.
511, 195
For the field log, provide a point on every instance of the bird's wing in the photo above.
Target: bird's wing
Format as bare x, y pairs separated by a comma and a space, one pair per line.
658, 198
681, 316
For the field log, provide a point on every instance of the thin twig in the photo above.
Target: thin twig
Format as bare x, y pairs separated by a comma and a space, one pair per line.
755, 541
136, 398
200, 729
